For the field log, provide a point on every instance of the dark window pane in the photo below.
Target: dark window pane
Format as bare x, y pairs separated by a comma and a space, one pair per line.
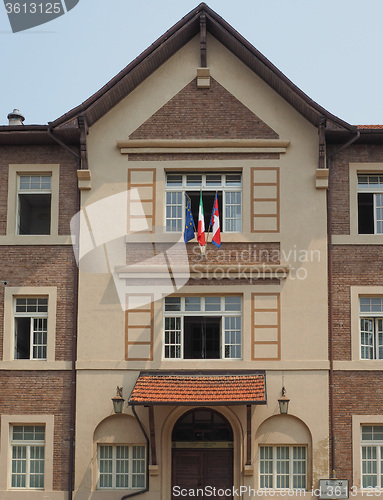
202, 337
208, 198
34, 213
22, 338
365, 213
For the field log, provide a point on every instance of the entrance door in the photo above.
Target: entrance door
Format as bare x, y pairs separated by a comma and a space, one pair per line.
202, 455
205, 469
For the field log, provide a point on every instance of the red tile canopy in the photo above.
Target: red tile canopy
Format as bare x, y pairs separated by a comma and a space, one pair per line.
191, 388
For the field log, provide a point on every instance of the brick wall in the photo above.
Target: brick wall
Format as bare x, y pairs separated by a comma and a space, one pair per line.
204, 114
43, 266
42, 393
40, 155
340, 180
353, 396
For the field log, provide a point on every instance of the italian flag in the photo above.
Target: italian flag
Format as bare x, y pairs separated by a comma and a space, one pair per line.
201, 224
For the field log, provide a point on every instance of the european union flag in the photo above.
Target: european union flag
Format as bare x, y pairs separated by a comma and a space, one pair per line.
189, 222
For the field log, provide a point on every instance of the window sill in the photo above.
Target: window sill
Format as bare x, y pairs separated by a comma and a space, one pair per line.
34, 365
43, 239
358, 239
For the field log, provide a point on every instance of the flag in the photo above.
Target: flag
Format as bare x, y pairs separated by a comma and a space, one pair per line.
189, 223
216, 239
201, 224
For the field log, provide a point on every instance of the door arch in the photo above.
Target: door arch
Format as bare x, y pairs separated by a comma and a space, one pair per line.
202, 454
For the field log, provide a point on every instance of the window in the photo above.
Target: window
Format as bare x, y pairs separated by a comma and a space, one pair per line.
203, 327
31, 327
372, 456
228, 187
121, 467
34, 204
282, 467
27, 452
371, 327
370, 204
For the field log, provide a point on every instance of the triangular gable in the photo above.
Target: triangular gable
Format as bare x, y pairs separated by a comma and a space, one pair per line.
204, 114
174, 39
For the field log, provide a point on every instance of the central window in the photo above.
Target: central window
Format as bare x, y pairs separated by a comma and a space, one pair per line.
228, 187
371, 327
203, 327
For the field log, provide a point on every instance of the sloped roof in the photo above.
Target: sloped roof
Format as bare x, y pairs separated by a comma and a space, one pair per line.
168, 44
194, 388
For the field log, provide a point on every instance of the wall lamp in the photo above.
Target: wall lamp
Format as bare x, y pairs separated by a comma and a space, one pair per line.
118, 401
283, 402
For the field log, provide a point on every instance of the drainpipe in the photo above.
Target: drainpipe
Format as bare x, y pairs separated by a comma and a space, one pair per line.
74, 339
330, 296
140, 492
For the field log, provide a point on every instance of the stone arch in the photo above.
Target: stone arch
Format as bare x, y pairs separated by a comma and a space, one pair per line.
166, 444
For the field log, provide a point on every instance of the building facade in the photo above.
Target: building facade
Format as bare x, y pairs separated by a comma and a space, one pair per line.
202, 344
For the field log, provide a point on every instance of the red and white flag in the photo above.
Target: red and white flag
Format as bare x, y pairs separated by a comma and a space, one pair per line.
216, 239
201, 225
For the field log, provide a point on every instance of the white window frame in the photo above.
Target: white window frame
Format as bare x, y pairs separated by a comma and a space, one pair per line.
27, 445
132, 465
202, 311
224, 187
34, 316
375, 445
376, 188
274, 473
33, 191
373, 315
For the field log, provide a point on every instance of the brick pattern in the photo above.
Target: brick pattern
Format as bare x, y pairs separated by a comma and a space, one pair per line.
204, 114
43, 266
42, 155
42, 393
353, 265
353, 396
339, 179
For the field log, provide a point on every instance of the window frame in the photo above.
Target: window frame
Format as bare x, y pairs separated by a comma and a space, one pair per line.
376, 192
374, 317
10, 294
5, 457
32, 191
223, 187
32, 315
16, 170
221, 313
130, 460
27, 445
372, 444
274, 475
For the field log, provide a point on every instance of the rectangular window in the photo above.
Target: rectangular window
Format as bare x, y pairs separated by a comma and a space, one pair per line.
283, 467
27, 455
228, 187
371, 327
372, 456
31, 327
203, 327
34, 204
370, 204
121, 467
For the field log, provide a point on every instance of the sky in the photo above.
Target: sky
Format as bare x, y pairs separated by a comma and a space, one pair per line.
330, 49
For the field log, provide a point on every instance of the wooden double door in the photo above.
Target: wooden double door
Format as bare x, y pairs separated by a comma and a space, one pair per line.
204, 469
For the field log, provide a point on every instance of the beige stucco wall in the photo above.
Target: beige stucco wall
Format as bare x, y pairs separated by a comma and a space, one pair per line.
304, 363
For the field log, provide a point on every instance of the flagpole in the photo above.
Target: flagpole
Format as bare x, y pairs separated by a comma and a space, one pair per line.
211, 218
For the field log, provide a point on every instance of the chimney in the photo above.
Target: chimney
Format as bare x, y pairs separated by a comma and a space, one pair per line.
15, 118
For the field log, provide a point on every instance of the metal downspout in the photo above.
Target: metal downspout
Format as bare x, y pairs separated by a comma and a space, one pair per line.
330, 296
140, 492
74, 340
